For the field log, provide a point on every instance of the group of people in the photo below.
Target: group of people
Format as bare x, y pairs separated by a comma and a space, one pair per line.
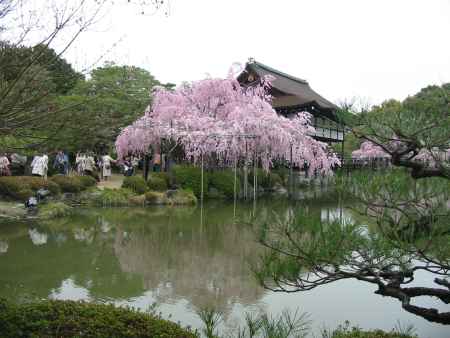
83, 163
86, 163
90, 164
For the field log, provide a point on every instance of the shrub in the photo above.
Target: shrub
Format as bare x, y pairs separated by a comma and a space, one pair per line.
345, 331
156, 183
54, 209
54, 188
189, 177
23, 187
182, 197
223, 181
135, 183
71, 184
155, 197
266, 180
87, 181
112, 197
23, 194
163, 175
138, 200
56, 318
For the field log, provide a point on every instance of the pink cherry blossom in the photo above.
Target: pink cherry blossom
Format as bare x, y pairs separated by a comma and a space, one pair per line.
218, 117
369, 150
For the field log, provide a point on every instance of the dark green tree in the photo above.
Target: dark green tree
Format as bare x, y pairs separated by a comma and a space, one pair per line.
112, 98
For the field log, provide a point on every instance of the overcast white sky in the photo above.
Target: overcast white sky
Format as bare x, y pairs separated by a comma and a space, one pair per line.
373, 49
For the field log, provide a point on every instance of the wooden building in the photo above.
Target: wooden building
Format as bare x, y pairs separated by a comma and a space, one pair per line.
292, 95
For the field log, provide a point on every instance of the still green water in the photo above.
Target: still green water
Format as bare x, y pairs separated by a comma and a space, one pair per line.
182, 259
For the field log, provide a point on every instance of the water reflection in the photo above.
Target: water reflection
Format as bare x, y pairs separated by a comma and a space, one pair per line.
37, 238
3, 247
180, 258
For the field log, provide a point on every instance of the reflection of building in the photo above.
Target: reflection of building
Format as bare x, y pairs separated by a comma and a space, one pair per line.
207, 266
3, 247
292, 95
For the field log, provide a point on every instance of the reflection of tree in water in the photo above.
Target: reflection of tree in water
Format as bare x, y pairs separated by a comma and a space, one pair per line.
120, 253
3, 247
179, 258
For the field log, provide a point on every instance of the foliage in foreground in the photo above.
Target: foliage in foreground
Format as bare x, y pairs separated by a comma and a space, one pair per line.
287, 325
74, 319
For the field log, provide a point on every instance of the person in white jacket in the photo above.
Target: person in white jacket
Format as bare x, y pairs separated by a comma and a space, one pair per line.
39, 166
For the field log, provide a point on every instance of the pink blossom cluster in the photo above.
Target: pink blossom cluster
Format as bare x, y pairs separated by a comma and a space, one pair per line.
218, 117
433, 156
369, 150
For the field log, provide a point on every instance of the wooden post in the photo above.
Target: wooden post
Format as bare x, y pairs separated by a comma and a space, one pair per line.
235, 185
290, 176
255, 183
201, 184
246, 172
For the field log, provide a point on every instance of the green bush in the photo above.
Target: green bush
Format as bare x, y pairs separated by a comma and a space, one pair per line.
71, 184
23, 194
155, 197
183, 197
55, 318
266, 180
23, 187
223, 181
189, 177
137, 200
135, 183
163, 175
54, 209
156, 183
356, 332
54, 188
112, 197
87, 181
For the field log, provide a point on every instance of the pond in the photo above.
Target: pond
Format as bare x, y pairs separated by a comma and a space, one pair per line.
182, 259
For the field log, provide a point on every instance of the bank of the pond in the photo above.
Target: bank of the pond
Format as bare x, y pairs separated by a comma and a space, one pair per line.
182, 186
56, 318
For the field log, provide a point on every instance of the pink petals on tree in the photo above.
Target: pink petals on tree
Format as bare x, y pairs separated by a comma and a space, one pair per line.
217, 117
369, 151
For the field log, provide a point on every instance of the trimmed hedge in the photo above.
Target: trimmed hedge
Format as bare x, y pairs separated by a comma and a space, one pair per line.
87, 181
55, 318
163, 175
189, 177
135, 183
223, 181
23, 187
72, 184
156, 183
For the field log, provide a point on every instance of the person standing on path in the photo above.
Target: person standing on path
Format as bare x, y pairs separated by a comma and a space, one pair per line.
106, 166
39, 166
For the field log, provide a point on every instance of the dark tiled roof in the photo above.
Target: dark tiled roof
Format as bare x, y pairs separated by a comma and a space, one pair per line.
298, 92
